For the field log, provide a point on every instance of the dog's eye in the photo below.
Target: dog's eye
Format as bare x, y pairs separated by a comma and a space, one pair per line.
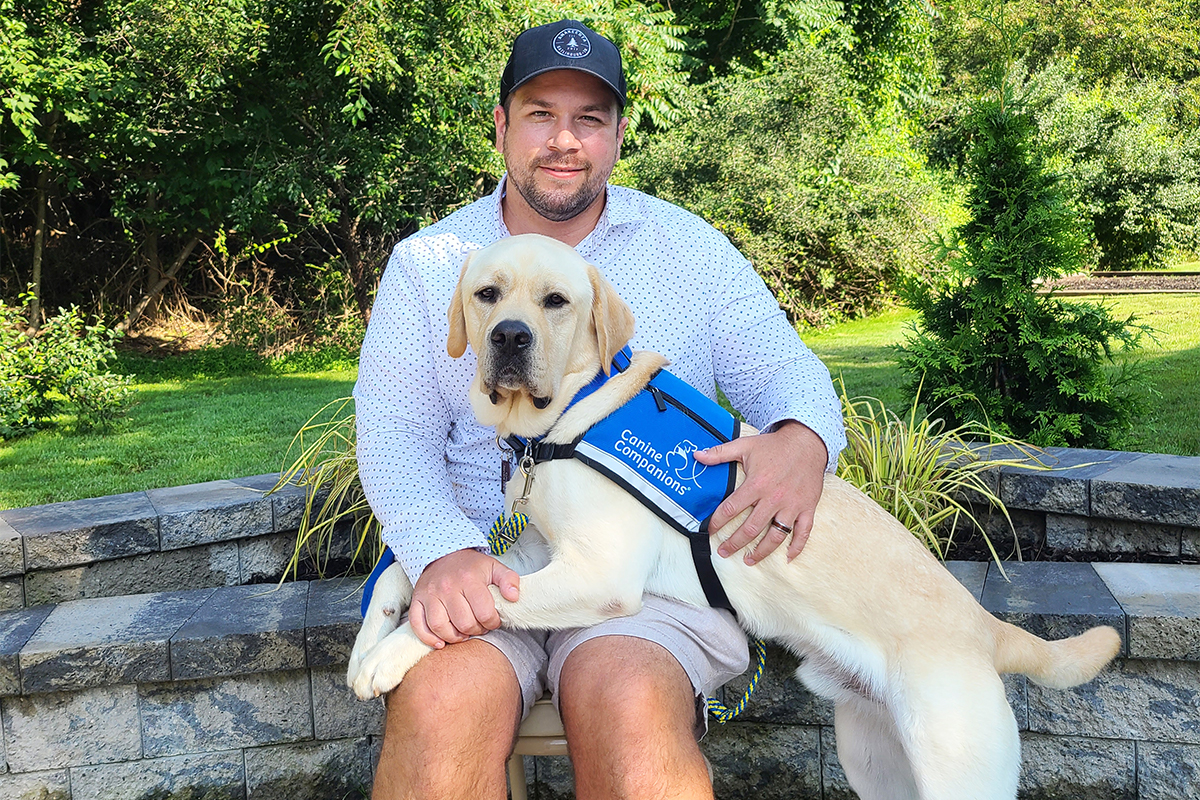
487, 294
555, 300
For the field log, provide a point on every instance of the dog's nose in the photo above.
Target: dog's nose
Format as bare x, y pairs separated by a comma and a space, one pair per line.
511, 336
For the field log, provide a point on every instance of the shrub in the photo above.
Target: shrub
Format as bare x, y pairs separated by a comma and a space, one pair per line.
988, 348
64, 363
1133, 167
828, 201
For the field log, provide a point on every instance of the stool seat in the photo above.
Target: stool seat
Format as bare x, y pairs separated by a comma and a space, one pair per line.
540, 734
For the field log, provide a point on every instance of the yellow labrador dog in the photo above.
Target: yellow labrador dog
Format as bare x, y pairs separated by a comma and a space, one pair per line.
910, 660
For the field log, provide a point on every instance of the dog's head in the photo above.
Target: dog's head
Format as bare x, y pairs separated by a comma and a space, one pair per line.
540, 319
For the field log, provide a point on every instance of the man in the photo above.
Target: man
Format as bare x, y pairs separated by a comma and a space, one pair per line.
630, 690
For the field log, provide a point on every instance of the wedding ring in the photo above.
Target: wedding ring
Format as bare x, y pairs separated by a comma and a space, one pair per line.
776, 524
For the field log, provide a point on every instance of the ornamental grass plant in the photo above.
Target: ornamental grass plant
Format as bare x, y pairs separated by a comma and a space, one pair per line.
326, 465
925, 473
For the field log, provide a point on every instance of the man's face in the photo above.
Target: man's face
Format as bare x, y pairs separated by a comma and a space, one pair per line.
560, 138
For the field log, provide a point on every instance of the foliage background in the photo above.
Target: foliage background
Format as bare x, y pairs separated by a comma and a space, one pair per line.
249, 163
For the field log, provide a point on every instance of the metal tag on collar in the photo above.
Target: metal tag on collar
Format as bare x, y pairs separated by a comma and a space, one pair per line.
506, 464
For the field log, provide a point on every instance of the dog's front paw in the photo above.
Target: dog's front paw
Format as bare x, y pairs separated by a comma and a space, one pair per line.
383, 666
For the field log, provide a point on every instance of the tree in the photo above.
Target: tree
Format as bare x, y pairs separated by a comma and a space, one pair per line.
51, 82
987, 346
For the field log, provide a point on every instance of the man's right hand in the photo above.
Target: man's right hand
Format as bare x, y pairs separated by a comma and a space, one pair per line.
451, 601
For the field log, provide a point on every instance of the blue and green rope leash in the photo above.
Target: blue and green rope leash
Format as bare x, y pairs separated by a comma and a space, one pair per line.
723, 713
504, 533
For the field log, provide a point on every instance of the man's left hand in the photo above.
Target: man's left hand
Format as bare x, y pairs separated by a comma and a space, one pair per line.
784, 477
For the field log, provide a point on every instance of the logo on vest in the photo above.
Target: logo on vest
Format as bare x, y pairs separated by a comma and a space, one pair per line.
646, 458
572, 43
685, 466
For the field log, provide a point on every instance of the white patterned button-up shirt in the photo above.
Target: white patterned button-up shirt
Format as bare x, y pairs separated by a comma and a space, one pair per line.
432, 473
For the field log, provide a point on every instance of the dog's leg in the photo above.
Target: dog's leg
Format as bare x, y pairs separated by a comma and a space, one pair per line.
386, 664
389, 600
562, 595
963, 740
869, 747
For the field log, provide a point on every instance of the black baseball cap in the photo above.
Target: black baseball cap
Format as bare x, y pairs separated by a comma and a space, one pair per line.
567, 44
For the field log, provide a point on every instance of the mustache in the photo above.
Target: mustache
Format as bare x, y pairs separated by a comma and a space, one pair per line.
555, 162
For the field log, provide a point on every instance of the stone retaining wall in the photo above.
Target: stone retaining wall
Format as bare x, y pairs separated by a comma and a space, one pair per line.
221, 533
1101, 503
145, 655
225, 533
237, 692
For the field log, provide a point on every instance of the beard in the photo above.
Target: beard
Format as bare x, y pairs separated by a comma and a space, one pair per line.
557, 205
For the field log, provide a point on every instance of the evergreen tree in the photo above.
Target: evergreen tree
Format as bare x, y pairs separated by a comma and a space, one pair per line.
988, 347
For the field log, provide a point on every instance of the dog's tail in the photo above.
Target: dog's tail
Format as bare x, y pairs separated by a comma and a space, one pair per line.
1058, 665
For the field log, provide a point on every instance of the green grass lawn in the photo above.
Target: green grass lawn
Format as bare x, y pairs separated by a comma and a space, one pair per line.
193, 418
861, 354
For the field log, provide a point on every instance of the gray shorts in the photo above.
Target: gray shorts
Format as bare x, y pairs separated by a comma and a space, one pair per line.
707, 643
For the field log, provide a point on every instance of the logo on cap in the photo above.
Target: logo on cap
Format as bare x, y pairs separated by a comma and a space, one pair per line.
572, 43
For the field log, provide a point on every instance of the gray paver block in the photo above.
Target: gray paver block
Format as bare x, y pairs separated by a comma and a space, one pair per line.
224, 713
264, 559
1096, 535
61, 729
12, 559
1162, 602
242, 629
287, 504
16, 627
1051, 599
1060, 492
48, 785
780, 697
1016, 690
203, 513
1022, 529
764, 761
12, 593
1190, 542
550, 777
309, 771
83, 531
1063, 488
1168, 771
177, 570
1055, 767
333, 620
970, 574
337, 712
106, 641
202, 776
833, 777
1152, 488
1131, 699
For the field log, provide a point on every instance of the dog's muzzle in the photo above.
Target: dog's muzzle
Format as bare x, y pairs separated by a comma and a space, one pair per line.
511, 343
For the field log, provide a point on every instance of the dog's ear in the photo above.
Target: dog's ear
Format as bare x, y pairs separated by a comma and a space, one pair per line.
612, 317
456, 343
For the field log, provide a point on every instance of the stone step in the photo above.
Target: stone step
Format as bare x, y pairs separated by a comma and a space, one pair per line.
177, 636
219, 533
